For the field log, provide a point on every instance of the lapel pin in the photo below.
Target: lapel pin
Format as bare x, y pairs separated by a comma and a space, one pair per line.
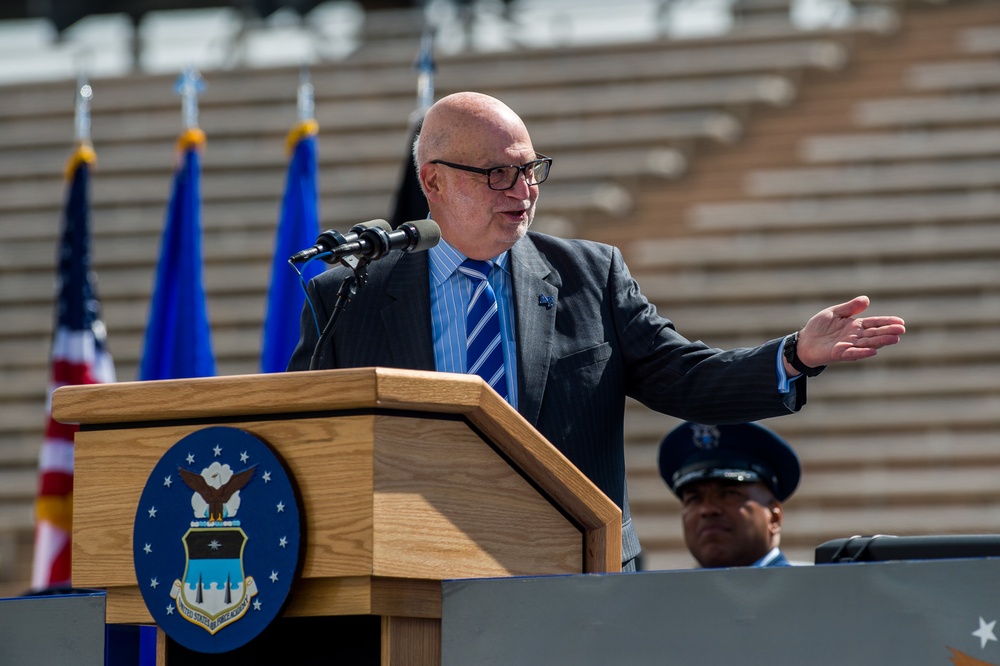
547, 301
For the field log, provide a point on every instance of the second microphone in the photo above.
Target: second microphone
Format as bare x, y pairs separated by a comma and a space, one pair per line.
372, 240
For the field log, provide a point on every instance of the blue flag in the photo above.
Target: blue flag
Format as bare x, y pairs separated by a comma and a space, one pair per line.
298, 228
178, 339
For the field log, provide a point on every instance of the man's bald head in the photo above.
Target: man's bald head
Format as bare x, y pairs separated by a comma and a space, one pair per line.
455, 121
463, 135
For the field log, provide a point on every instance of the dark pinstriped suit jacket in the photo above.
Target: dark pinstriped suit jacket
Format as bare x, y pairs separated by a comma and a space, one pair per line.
601, 340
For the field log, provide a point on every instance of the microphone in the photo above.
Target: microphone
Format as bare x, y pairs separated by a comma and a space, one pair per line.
414, 236
331, 238
375, 241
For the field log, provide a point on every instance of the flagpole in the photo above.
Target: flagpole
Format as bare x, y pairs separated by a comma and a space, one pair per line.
426, 67
305, 97
81, 117
189, 86
409, 202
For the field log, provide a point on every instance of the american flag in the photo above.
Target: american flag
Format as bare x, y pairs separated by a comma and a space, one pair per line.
79, 356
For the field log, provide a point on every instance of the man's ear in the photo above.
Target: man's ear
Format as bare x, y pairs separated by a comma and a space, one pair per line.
775, 515
432, 182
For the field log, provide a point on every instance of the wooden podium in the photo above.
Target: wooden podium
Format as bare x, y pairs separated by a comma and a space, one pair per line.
406, 479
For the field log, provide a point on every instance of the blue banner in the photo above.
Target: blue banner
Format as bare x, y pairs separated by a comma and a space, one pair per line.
298, 227
178, 338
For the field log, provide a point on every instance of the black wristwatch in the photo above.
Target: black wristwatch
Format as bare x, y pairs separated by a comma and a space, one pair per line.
792, 356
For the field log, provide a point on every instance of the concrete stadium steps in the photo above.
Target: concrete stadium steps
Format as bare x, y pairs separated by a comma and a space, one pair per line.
928, 111
958, 174
831, 450
873, 147
980, 39
952, 407
866, 243
796, 281
879, 181
824, 107
263, 117
841, 212
956, 76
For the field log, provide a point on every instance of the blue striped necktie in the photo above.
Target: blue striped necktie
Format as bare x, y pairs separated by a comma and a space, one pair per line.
484, 347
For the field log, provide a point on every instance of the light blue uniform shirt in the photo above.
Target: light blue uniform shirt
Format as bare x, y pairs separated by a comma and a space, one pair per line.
450, 295
769, 560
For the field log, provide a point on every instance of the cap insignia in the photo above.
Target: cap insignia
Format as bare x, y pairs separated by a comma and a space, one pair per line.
704, 436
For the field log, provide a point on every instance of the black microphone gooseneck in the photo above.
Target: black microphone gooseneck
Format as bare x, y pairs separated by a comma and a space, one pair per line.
348, 290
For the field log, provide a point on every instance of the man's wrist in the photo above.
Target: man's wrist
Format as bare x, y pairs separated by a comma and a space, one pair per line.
792, 356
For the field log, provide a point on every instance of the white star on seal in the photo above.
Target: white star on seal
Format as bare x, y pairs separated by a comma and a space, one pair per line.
170, 609
148, 548
244, 457
153, 583
214, 544
217, 450
152, 512
257, 604
985, 632
167, 481
190, 459
267, 477
281, 507
274, 578
282, 542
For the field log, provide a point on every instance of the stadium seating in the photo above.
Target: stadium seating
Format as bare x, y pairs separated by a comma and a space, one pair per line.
879, 179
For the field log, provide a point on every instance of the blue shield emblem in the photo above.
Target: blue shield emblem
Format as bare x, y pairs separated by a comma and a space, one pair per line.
214, 591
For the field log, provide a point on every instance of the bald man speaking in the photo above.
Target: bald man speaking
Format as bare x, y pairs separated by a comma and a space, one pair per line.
557, 327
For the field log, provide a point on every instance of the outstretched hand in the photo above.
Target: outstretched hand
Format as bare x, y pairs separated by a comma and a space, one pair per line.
838, 334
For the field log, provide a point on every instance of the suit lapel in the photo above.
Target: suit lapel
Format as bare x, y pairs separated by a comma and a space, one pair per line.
534, 285
407, 315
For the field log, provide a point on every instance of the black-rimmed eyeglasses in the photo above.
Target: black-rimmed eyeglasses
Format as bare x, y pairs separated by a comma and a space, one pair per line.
504, 177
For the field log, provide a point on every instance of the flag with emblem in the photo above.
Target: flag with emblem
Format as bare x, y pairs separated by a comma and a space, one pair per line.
79, 356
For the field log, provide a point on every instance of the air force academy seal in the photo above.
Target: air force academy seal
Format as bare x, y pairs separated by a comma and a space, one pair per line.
216, 539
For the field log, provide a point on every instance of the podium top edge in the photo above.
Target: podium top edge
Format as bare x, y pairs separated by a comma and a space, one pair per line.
268, 394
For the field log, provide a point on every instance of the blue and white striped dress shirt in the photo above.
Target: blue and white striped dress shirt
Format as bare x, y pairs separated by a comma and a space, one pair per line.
450, 294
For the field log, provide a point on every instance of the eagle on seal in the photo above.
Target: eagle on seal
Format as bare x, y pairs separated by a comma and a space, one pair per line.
216, 498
